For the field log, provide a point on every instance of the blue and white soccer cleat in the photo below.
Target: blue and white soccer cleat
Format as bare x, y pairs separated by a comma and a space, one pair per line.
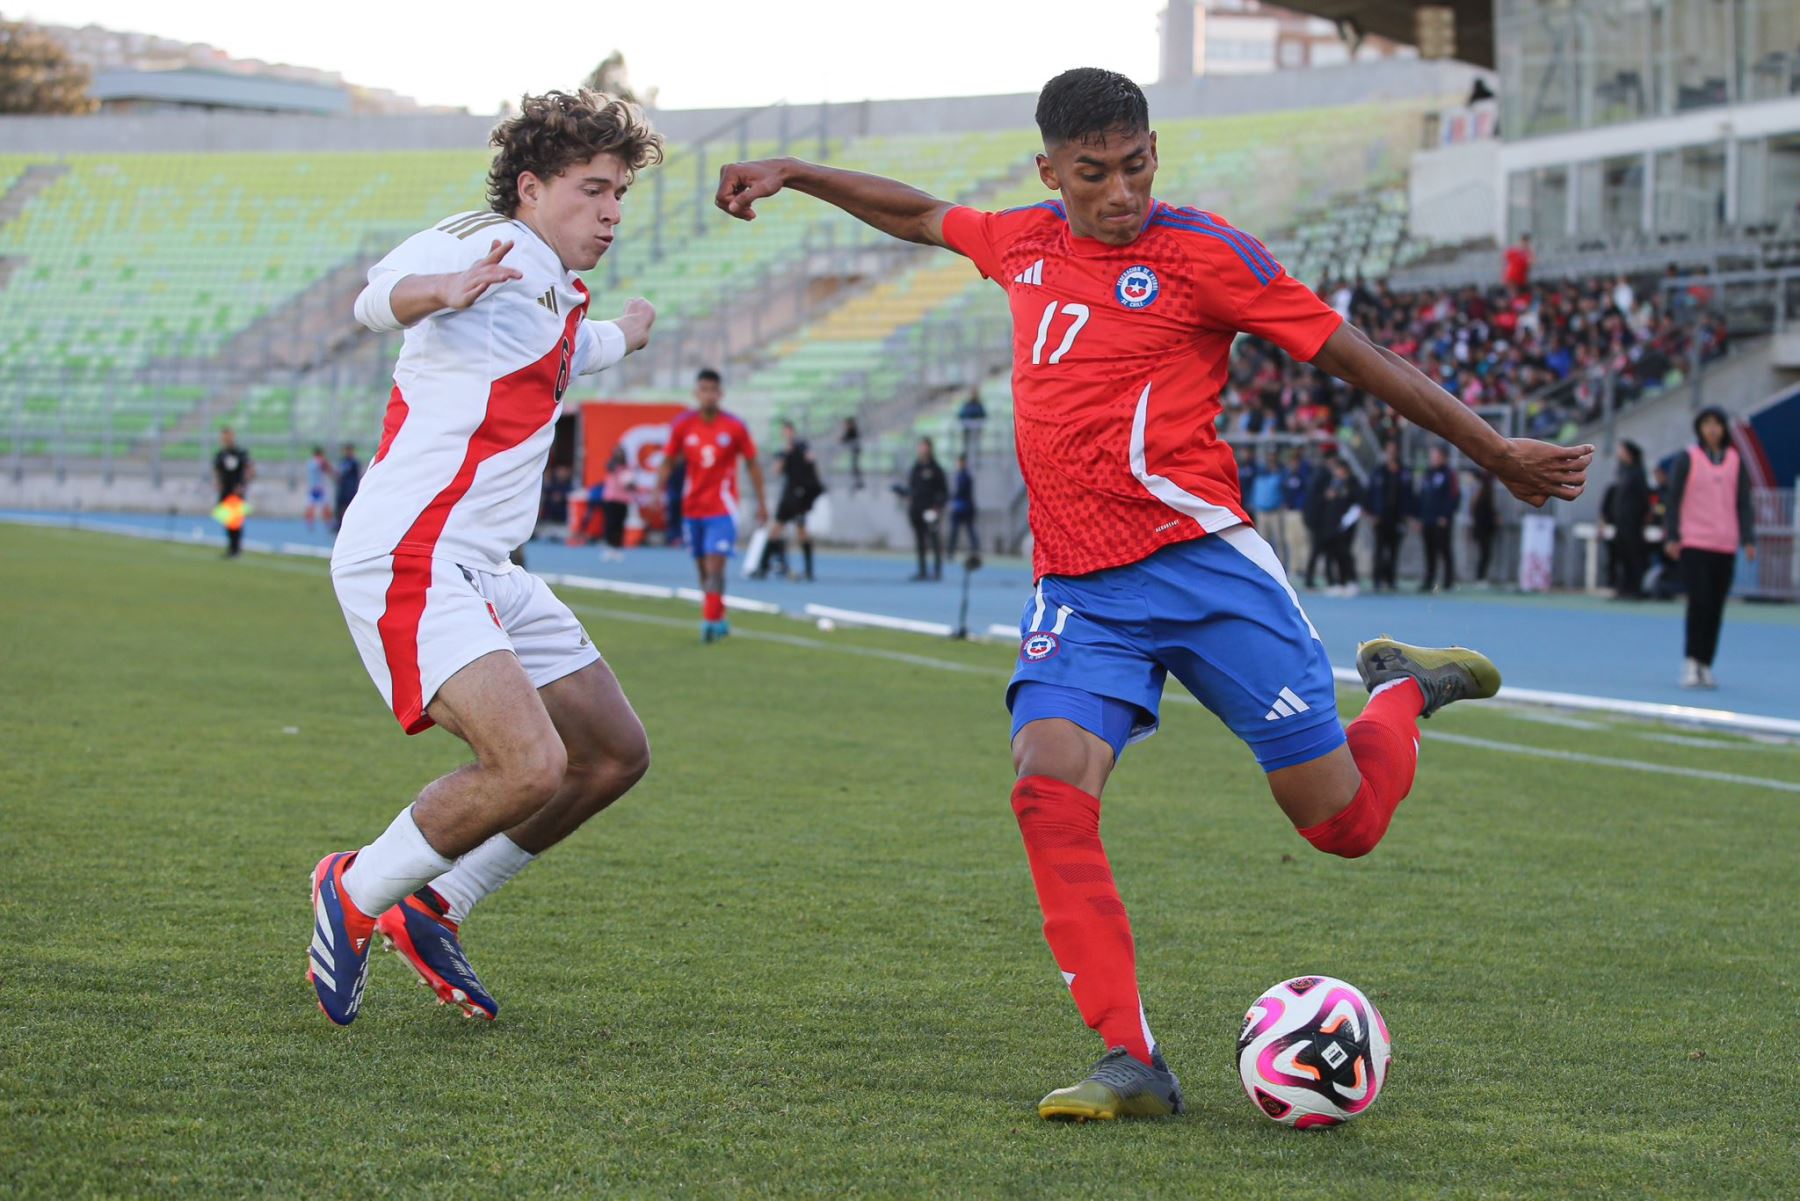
420, 931
337, 963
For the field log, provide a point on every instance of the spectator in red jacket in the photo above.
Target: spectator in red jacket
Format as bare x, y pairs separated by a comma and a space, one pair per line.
1519, 262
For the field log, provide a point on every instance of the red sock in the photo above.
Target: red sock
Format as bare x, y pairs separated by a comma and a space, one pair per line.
1084, 920
712, 608
1384, 741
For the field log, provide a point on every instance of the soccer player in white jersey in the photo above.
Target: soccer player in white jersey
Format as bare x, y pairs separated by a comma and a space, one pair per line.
452, 633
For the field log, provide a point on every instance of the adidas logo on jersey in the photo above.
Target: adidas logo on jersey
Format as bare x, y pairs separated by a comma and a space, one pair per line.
1286, 705
548, 300
1033, 274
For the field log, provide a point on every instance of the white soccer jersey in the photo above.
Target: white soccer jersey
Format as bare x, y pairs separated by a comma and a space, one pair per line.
476, 396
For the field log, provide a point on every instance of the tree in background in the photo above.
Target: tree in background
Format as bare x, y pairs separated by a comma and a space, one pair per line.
37, 75
614, 78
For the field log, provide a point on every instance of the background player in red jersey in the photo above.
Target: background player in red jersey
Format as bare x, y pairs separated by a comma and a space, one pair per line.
711, 442
1124, 310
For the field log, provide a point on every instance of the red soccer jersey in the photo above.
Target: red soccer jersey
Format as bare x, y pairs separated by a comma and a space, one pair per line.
711, 450
1119, 356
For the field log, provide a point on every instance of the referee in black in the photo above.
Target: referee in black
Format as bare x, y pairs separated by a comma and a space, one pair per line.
232, 472
800, 488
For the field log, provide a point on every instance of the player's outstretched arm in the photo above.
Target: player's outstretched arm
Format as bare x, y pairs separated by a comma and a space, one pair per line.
635, 323
896, 209
412, 298
1533, 471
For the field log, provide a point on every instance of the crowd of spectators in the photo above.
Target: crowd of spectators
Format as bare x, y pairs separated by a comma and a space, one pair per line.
1510, 344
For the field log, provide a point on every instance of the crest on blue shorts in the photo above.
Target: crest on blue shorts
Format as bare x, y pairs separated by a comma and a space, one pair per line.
1038, 646
1137, 287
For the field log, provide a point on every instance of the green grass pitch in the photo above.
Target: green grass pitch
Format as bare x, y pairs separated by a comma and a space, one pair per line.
803, 957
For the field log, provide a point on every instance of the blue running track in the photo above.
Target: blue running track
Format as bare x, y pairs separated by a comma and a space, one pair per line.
1561, 643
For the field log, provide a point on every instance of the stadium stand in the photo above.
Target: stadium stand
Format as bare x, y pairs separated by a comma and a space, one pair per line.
1546, 353
131, 279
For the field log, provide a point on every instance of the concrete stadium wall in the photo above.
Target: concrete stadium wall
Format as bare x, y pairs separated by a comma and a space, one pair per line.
1451, 193
186, 490
1215, 96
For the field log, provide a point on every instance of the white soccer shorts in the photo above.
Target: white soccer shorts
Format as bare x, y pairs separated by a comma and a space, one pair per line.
417, 621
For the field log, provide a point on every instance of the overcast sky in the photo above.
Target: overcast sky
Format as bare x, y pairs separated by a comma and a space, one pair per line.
701, 53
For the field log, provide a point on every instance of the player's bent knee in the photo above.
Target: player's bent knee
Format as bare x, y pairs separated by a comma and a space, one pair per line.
1352, 833
620, 771
633, 764
534, 775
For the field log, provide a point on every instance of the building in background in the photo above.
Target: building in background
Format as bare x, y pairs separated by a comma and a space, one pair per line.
140, 72
1247, 37
1648, 118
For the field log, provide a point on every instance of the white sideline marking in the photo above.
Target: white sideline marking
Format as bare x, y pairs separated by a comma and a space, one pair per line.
1660, 769
595, 583
842, 648
856, 617
731, 602
1004, 633
1713, 744
1549, 717
654, 591
1724, 719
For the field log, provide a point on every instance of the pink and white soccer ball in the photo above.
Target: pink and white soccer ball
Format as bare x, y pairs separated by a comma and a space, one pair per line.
1313, 1052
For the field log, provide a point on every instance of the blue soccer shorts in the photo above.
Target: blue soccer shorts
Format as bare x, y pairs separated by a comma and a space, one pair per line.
712, 536
1217, 613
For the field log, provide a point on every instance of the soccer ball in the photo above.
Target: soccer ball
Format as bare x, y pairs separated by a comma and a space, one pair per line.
1313, 1052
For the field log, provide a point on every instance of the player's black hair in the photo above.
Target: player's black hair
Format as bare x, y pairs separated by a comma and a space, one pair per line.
1086, 101
708, 375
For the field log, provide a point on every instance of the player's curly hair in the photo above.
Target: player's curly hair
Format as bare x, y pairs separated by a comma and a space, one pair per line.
558, 129
1089, 102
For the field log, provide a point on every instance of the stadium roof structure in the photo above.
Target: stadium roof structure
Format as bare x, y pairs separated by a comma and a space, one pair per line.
188, 87
1394, 20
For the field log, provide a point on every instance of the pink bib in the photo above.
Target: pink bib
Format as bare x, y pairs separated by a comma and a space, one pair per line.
1709, 510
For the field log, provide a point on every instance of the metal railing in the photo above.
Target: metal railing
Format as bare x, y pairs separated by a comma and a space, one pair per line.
1774, 575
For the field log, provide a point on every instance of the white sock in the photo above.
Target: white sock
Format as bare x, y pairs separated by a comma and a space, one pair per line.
479, 873
392, 866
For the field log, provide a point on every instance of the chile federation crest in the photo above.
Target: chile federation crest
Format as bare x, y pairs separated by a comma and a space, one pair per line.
1137, 287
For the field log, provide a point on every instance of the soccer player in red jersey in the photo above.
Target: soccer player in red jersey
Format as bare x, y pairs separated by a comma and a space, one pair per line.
712, 442
1124, 310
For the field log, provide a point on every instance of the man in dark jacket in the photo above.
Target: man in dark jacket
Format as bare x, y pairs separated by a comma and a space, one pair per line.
1439, 497
1295, 484
1318, 526
962, 507
801, 487
349, 475
927, 491
1341, 515
1630, 513
232, 472
1390, 502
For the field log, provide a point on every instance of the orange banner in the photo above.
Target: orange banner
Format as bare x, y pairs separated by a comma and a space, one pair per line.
642, 429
